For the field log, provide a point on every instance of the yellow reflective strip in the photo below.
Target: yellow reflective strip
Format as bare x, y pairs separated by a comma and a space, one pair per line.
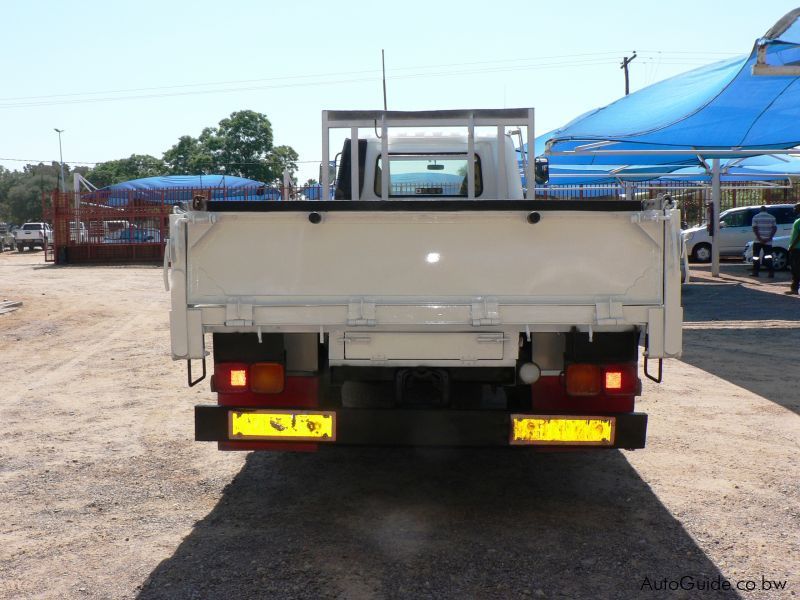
279, 426
545, 430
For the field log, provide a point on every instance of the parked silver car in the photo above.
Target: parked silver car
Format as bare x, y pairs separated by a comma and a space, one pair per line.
736, 229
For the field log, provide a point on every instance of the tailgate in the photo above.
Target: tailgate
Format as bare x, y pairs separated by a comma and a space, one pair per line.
567, 257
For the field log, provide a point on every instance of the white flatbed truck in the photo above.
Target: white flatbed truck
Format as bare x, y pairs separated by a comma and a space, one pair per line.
428, 302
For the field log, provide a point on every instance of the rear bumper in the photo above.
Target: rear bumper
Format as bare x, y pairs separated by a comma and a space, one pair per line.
406, 427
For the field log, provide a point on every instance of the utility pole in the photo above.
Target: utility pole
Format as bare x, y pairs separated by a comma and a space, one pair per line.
624, 65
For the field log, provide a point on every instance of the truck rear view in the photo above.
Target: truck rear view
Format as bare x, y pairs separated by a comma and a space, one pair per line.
424, 300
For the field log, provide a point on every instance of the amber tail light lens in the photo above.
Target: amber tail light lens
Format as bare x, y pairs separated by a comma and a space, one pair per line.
583, 380
267, 378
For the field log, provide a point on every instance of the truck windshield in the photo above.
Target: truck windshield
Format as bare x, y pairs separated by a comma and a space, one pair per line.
418, 175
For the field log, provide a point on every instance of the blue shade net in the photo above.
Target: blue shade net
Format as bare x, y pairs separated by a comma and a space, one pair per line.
719, 106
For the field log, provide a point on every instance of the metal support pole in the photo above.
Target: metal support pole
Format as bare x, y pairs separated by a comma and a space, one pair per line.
502, 192
324, 191
471, 157
385, 175
354, 163
715, 200
531, 165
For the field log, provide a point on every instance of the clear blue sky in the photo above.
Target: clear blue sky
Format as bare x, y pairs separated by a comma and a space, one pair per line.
290, 60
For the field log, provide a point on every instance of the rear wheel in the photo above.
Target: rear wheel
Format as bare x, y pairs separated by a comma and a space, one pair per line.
780, 259
701, 253
20, 247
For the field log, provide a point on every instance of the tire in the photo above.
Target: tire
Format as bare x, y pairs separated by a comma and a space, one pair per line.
701, 253
780, 259
20, 247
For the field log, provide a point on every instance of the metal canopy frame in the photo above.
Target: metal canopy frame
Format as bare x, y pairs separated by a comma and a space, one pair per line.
469, 118
597, 148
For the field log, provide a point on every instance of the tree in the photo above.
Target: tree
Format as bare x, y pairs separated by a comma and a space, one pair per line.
285, 157
189, 157
135, 166
21, 191
241, 145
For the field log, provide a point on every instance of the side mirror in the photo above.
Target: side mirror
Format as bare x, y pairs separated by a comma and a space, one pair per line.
541, 170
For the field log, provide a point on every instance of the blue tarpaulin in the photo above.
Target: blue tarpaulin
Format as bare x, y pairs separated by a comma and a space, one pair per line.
171, 182
172, 189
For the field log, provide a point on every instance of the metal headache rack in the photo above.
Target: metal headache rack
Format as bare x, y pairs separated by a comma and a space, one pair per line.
472, 118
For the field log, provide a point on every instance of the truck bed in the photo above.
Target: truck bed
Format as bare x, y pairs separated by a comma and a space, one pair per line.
425, 265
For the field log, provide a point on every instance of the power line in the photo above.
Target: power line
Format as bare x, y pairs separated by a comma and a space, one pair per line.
291, 81
291, 77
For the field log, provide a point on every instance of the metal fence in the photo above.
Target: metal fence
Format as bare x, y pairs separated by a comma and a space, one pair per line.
133, 225
691, 197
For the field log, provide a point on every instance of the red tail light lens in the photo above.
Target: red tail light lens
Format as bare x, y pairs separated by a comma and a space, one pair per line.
231, 377
610, 380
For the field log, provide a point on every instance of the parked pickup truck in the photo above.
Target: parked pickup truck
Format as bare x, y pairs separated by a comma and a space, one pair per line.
429, 303
32, 235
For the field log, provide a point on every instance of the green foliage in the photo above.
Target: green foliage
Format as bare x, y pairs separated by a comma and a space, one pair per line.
21, 191
241, 145
189, 157
135, 166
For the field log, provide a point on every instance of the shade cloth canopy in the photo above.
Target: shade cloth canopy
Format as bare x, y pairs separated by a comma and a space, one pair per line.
722, 106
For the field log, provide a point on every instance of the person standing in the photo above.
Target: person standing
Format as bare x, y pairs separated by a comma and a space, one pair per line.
794, 252
764, 226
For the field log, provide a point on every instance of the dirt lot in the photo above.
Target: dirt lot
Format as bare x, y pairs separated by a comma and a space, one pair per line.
106, 495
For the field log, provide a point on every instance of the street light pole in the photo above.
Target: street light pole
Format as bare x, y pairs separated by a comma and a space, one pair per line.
61, 160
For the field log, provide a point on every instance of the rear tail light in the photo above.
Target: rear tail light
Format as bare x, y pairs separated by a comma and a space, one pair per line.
620, 380
613, 381
267, 378
259, 378
231, 377
592, 380
583, 380
238, 378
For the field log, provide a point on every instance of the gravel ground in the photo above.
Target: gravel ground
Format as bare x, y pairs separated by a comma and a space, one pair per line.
106, 495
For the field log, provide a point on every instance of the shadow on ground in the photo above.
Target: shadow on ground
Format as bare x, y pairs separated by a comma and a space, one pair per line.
404, 523
758, 358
